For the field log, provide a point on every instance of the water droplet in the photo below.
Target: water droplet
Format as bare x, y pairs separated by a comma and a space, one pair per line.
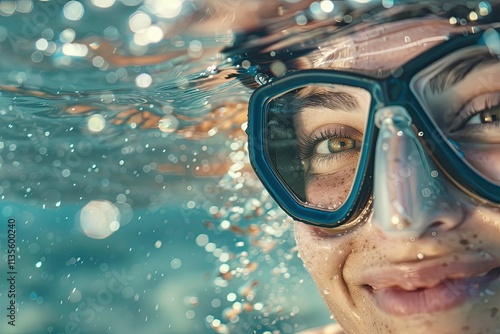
426, 192
489, 292
420, 134
420, 256
326, 291
261, 78
212, 69
405, 172
246, 64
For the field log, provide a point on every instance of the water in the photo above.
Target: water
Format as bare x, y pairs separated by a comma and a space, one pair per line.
124, 166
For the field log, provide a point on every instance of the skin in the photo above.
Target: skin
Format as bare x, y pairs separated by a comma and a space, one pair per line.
309, 122
467, 234
479, 90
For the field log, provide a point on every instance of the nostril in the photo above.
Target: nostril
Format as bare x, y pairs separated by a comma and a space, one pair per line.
445, 218
441, 218
436, 226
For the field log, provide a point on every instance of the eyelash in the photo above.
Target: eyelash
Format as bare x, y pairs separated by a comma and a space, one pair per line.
307, 150
470, 110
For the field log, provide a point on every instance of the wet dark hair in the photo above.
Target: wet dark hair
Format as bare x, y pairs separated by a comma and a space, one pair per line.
293, 55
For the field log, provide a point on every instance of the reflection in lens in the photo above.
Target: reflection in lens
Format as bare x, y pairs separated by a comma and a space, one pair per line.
314, 139
461, 93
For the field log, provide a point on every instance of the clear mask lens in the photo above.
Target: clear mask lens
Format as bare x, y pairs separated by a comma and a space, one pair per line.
461, 93
314, 137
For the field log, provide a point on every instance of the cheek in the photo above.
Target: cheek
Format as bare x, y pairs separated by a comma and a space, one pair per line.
323, 254
331, 190
485, 161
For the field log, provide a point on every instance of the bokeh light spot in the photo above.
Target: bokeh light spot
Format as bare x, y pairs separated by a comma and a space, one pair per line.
98, 219
96, 123
143, 80
73, 10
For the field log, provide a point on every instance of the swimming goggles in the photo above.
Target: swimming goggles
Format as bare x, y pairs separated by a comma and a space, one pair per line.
319, 139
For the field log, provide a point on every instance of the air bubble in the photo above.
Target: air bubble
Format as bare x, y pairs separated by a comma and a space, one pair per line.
168, 124
175, 263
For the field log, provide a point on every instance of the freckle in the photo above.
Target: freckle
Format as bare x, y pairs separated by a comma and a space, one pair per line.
464, 242
494, 312
474, 236
445, 265
465, 328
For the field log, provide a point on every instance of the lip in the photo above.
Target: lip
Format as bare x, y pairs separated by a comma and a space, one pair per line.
439, 285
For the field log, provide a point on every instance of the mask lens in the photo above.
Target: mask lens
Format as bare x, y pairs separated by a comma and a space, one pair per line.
461, 93
314, 137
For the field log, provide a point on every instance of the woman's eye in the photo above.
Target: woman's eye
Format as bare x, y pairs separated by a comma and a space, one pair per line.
489, 116
335, 145
483, 117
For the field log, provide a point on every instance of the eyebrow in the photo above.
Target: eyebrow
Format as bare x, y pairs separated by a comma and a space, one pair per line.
326, 99
456, 72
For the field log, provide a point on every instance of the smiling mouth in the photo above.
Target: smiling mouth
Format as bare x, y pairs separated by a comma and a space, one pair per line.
446, 294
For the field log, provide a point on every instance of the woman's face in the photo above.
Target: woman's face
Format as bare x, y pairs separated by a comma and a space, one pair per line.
446, 277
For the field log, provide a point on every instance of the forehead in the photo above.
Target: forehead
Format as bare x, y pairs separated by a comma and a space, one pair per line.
385, 46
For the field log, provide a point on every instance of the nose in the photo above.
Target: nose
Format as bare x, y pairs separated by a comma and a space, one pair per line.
410, 196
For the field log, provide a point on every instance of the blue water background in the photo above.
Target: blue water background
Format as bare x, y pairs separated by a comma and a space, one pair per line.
194, 252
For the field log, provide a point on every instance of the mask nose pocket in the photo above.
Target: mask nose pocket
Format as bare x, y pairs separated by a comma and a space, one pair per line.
409, 194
